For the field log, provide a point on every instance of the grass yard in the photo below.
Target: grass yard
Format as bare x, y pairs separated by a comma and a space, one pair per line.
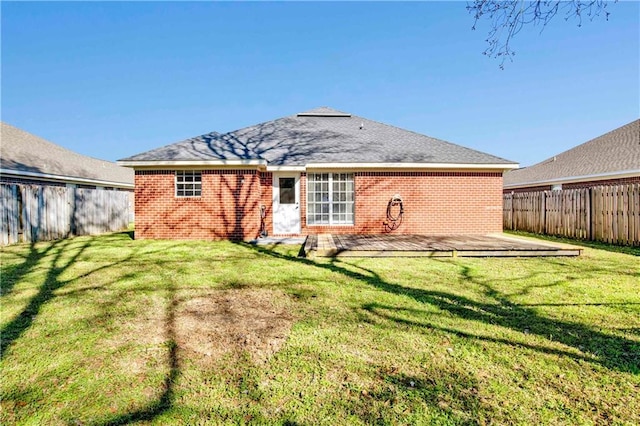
107, 330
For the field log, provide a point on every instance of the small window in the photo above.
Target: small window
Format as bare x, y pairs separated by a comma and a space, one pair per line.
287, 190
188, 183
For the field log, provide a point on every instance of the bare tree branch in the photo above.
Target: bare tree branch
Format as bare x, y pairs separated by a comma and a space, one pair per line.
508, 18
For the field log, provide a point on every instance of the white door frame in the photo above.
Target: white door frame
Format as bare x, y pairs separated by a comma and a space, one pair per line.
286, 217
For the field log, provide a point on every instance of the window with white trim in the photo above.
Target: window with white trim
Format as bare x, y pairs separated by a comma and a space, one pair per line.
330, 199
188, 183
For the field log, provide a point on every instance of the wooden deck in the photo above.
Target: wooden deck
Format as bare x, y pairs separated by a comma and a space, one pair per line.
350, 245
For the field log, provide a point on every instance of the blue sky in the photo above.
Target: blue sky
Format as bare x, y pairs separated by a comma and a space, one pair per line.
111, 80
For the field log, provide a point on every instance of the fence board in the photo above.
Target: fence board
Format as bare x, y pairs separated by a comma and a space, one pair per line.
8, 214
4, 218
603, 213
33, 213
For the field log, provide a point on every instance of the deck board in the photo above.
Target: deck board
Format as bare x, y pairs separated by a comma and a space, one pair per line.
353, 245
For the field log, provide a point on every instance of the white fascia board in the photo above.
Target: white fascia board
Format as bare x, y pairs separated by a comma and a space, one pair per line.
190, 163
286, 168
66, 179
571, 179
413, 166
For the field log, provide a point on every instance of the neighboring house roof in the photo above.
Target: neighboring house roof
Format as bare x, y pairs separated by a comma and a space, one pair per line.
613, 155
25, 155
319, 137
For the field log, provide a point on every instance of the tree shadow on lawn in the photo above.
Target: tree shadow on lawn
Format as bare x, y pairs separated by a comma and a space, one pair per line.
11, 274
453, 391
165, 400
613, 352
52, 282
613, 248
610, 351
21, 323
35, 258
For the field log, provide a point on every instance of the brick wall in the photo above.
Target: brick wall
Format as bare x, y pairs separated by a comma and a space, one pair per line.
434, 203
228, 208
266, 184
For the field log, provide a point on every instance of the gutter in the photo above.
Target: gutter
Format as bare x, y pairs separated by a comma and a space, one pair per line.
263, 164
571, 179
413, 166
189, 163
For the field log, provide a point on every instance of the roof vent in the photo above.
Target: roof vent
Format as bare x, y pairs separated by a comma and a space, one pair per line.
361, 126
323, 112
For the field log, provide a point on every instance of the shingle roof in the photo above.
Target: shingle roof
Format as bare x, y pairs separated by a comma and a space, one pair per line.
610, 154
322, 135
22, 152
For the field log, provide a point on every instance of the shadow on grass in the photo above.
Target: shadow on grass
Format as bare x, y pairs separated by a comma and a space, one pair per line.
613, 352
36, 258
453, 391
634, 251
59, 263
601, 348
165, 401
21, 323
11, 274
130, 234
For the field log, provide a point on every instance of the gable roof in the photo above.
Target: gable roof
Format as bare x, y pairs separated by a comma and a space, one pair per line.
26, 155
322, 136
614, 154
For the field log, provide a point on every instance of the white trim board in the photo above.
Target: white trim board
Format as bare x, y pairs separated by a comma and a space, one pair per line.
571, 179
189, 163
67, 179
262, 164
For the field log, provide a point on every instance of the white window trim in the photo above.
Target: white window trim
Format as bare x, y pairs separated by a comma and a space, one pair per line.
331, 203
176, 183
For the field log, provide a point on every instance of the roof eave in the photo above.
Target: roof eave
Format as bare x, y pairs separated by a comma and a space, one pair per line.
65, 179
572, 179
414, 166
167, 164
263, 164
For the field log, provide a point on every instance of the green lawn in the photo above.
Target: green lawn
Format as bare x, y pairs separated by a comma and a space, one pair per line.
108, 330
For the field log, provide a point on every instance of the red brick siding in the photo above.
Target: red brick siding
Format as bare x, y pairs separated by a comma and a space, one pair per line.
434, 203
266, 184
228, 208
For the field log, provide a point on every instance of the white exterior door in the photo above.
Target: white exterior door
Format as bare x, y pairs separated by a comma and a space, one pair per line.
286, 203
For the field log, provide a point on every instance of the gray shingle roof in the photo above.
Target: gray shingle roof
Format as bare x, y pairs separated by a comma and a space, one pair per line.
322, 135
21, 152
614, 152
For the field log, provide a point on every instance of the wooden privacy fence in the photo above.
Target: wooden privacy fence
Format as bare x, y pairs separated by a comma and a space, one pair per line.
33, 213
609, 214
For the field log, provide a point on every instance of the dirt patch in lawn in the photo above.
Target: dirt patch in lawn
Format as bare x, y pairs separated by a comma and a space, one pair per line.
238, 321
